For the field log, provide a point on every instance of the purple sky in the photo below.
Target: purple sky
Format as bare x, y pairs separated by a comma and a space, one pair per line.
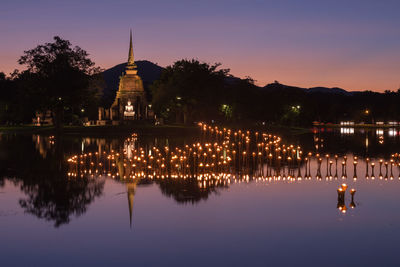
353, 44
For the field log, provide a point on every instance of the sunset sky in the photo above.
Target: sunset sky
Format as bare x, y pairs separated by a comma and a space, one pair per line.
352, 44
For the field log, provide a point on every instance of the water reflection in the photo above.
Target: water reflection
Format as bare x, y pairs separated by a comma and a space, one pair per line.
41, 174
347, 130
366, 142
223, 157
341, 200
56, 199
262, 203
58, 187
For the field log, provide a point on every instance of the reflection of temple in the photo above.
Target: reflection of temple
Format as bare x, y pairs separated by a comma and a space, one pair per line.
130, 102
43, 144
131, 188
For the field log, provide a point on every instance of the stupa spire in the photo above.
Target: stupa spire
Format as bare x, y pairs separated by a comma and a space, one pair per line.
131, 59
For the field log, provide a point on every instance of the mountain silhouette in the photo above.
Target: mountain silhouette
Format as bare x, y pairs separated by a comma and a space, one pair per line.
324, 90
149, 72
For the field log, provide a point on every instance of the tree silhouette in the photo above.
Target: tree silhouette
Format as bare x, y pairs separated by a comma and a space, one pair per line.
186, 190
57, 198
187, 87
62, 76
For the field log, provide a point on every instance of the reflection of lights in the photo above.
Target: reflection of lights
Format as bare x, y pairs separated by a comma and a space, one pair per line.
347, 130
392, 132
216, 161
344, 209
381, 139
344, 187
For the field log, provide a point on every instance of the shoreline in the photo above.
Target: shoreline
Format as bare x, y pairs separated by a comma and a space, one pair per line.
108, 130
169, 129
366, 126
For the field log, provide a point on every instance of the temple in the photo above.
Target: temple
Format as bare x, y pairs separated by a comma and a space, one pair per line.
130, 101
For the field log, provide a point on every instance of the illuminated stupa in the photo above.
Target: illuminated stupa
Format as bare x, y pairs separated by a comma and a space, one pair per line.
130, 100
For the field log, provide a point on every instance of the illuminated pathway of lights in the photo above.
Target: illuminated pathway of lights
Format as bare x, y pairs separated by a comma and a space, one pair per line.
223, 156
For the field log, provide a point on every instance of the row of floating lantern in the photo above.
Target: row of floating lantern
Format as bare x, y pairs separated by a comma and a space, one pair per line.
225, 154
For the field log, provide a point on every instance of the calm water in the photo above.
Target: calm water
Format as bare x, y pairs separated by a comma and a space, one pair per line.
59, 213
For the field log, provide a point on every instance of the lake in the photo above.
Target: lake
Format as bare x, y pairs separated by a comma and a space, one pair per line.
215, 198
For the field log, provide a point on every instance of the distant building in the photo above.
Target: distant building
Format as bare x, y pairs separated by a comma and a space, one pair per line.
130, 101
347, 123
42, 118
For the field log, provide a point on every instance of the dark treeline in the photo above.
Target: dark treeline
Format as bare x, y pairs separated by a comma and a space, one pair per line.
61, 81
193, 91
